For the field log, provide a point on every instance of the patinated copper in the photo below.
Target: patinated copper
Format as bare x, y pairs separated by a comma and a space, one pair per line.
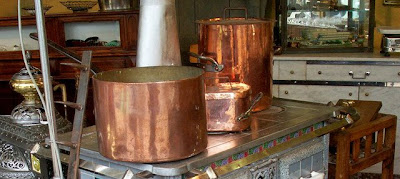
224, 103
150, 114
244, 47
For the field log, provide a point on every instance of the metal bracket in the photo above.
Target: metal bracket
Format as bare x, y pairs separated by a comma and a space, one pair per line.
211, 173
70, 104
67, 143
144, 174
213, 67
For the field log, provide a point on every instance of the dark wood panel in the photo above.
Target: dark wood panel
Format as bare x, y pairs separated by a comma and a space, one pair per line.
206, 9
187, 26
235, 4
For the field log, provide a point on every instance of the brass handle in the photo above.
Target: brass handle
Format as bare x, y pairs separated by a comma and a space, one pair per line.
286, 92
63, 89
351, 73
366, 94
398, 73
350, 94
319, 72
291, 72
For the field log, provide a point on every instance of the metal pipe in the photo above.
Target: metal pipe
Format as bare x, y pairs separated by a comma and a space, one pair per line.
48, 88
65, 52
158, 42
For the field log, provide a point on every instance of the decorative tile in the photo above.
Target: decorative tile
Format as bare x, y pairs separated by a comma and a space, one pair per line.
264, 146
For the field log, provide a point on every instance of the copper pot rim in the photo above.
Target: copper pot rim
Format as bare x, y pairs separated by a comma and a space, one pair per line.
171, 81
233, 21
222, 91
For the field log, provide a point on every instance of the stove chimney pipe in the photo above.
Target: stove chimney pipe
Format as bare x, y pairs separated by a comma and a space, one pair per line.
158, 42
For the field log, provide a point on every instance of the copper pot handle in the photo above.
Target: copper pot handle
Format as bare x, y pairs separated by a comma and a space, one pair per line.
215, 67
236, 8
246, 114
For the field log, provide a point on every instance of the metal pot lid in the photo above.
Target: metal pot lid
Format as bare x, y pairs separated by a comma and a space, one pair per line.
231, 21
232, 90
23, 74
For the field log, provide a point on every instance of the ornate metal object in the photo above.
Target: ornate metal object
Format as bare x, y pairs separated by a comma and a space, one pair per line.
30, 111
15, 161
12, 159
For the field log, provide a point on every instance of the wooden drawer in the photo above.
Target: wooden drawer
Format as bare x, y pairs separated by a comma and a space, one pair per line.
316, 93
353, 73
390, 97
292, 70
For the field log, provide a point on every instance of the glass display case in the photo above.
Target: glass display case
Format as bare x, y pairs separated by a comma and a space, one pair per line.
325, 25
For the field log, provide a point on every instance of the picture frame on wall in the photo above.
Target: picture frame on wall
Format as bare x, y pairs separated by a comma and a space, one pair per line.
391, 2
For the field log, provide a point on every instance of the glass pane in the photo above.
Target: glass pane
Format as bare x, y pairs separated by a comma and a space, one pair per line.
100, 33
327, 23
10, 38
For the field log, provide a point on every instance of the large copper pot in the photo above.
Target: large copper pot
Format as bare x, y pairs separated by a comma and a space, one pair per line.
150, 114
244, 47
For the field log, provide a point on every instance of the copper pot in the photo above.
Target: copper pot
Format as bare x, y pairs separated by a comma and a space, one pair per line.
244, 47
228, 107
150, 114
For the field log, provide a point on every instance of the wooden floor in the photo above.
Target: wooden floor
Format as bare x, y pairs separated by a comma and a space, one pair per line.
371, 176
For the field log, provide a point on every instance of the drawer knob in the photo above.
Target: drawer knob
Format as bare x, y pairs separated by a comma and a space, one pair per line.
350, 94
286, 92
291, 72
319, 72
398, 73
366, 94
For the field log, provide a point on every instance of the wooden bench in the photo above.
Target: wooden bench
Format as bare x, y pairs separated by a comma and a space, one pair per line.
364, 145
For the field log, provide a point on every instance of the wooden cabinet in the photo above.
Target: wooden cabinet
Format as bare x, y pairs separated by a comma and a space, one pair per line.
59, 28
121, 26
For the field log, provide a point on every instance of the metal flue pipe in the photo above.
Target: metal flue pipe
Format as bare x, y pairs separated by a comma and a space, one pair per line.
158, 41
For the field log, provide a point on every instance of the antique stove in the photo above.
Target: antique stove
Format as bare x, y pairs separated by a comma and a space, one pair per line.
24, 129
288, 140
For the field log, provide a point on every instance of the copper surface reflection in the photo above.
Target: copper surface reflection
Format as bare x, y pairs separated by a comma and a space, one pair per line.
150, 114
244, 47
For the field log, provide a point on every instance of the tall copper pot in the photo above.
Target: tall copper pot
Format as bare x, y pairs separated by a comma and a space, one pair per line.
150, 114
244, 47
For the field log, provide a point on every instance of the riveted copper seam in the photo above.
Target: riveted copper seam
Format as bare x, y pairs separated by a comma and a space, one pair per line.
244, 47
151, 114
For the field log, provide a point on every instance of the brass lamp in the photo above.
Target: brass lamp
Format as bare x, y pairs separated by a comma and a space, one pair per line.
30, 111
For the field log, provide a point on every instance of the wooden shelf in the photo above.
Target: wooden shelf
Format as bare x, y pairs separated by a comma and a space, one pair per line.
106, 58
